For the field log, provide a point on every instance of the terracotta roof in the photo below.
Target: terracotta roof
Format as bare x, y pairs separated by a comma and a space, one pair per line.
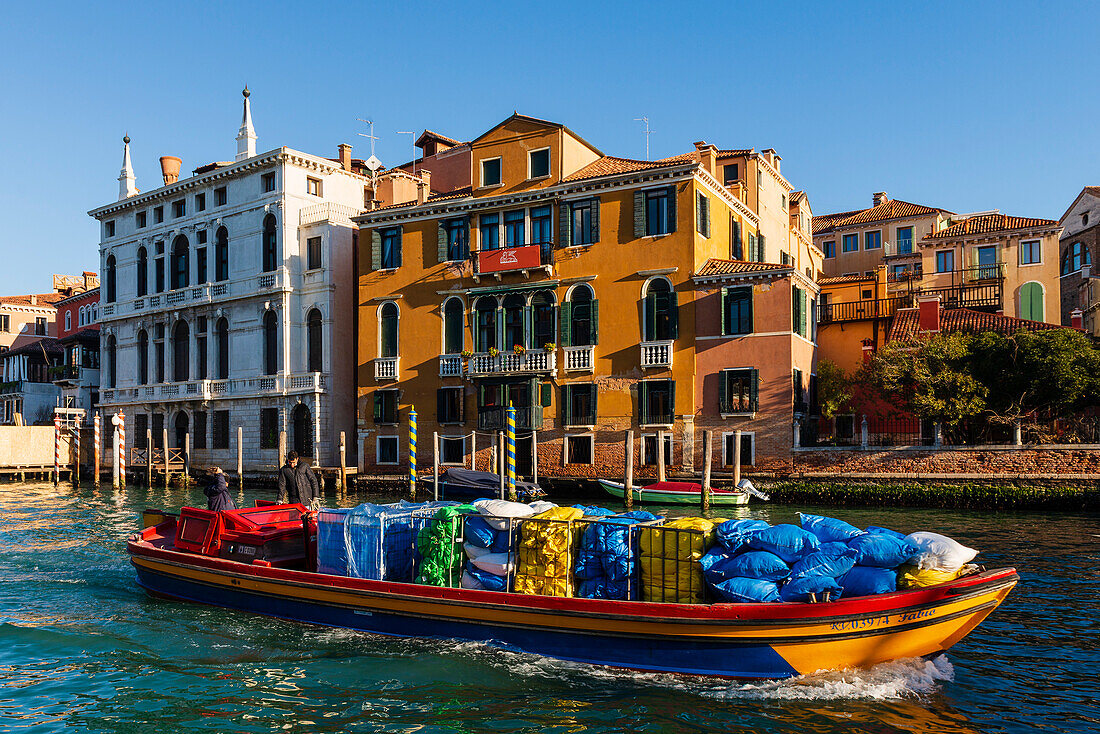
796, 196
834, 279
43, 300
694, 156
824, 222
988, 223
887, 210
50, 343
906, 323
432, 135
717, 266
610, 165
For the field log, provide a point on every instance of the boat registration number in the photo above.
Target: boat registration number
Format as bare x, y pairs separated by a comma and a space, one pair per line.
872, 622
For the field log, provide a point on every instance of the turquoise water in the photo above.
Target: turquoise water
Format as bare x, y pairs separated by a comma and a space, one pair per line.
82, 648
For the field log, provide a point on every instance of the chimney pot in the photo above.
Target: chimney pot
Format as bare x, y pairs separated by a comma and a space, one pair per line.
345, 156
1076, 319
34, 300
170, 168
879, 197
929, 314
708, 156
424, 186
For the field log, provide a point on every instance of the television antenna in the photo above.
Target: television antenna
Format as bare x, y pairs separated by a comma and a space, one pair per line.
648, 132
372, 163
412, 137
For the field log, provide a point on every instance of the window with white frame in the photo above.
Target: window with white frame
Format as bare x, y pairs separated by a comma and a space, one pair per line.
313, 186
452, 450
386, 450
68, 320
1031, 252
748, 448
490, 172
538, 163
649, 449
579, 449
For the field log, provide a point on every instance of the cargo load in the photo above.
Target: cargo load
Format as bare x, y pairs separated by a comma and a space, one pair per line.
544, 552
439, 546
670, 555
607, 556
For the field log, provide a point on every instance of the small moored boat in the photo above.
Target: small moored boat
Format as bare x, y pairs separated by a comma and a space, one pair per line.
678, 493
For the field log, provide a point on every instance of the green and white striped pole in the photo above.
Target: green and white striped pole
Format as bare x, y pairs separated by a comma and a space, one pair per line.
510, 441
412, 452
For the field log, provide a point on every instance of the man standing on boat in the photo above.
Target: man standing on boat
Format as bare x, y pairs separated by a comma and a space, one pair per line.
288, 480
306, 483
217, 491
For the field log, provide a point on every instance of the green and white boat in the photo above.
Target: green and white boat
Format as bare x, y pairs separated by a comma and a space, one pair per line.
683, 493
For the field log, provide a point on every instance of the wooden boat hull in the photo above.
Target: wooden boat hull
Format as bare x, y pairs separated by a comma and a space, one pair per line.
658, 497
732, 640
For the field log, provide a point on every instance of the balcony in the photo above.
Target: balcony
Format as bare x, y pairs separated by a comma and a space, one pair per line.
530, 362
579, 359
657, 354
494, 418
523, 259
253, 285
386, 368
239, 387
831, 313
450, 365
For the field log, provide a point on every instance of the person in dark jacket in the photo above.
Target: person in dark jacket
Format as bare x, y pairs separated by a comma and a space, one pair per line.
287, 479
306, 483
217, 492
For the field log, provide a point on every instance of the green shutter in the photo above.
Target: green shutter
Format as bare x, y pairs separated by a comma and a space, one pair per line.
802, 324
751, 249
754, 389
546, 394
441, 241
377, 407
672, 208
699, 227
528, 315
723, 390
671, 402
760, 247
706, 215
673, 315
594, 320
593, 412
375, 250
639, 214
595, 219
649, 322
565, 229
643, 403
723, 304
567, 405
737, 248
567, 324
400, 232
750, 314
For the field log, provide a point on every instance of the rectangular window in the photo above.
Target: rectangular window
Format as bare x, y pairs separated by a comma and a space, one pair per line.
649, 450
458, 248
1031, 252
905, 240
830, 249
5, 323
449, 405
200, 202
200, 265
578, 405
986, 257
179, 208
385, 406
542, 232
221, 429
40, 326
748, 448
201, 234
513, 228
872, 240
850, 243
313, 253
655, 399
141, 425
142, 219
158, 268
268, 180
158, 215
452, 450
490, 172
578, 449
386, 450
580, 217
538, 163
737, 311
490, 231
799, 391
945, 261
737, 391
729, 173
221, 196
200, 429
702, 214
109, 227
313, 186
656, 212
391, 248
269, 428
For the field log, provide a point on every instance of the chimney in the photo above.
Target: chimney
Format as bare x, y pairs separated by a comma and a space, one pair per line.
345, 156
1077, 319
34, 300
772, 157
879, 197
424, 186
170, 168
708, 155
868, 350
929, 314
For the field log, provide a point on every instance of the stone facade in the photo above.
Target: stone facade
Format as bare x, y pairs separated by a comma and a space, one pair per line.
1079, 261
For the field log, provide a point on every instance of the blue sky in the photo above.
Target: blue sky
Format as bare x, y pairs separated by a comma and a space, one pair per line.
968, 106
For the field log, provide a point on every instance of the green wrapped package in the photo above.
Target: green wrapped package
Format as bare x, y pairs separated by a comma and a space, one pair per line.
441, 553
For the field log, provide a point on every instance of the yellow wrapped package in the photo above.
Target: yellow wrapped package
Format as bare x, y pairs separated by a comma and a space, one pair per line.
669, 556
911, 577
544, 554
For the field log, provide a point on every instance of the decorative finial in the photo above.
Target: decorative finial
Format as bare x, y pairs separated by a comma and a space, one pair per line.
246, 93
246, 137
126, 139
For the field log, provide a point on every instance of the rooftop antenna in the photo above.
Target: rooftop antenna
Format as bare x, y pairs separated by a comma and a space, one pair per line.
648, 132
412, 135
372, 163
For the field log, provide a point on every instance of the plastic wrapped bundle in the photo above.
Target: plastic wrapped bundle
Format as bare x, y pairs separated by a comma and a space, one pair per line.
670, 555
544, 553
332, 552
381, 539
441, 553
607, 565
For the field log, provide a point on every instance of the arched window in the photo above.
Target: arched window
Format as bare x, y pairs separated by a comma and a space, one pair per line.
82, 319
315, 341
143, 272
485, 334
661, 311
542, 306
180, 278
109, 279
95, 312
514, 331
181, 352
1077, 256
1031, 301
111, 362
221, 254
270, 244
271, 343
221, 334
143, 357
302, 423
69, 318
578, 322
388, 330
453, 341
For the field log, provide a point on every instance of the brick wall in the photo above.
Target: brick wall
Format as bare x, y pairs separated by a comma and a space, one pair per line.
992, 460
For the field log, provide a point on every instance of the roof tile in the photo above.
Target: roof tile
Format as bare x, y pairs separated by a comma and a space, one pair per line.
887, 210
906, 323
717, 266
988, 223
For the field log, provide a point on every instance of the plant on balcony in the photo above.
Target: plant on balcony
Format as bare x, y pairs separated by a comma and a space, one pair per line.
57, 371
549, 346
519, 348
493, 351
466, 354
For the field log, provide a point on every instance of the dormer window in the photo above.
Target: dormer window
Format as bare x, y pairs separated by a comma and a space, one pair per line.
490, 172
1085, 219
538, 163
313, 186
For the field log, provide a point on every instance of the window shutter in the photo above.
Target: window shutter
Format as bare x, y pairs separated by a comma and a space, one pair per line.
736, 246
567, 324
595, 219
802, 313
671, 403
760, 247
565, 224
594, 320
528, 328
375, 250
440, 405
567, 405
754, 389
546, 394
441, 241
672, 208
649, 322
723, 304
749, 316
699, 226
643, 403
794, 309
639, 214
593, 412
399, 234
377, 407
536, 407
723, 390
706, 216
673, 316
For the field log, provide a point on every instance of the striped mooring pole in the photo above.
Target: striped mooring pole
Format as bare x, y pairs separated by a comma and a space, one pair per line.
95, 450
412, 452
121, 449
56, 449
76, 452
510, 442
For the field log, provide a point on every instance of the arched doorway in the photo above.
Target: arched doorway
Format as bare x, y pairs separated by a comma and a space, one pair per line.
181, 429
303, 430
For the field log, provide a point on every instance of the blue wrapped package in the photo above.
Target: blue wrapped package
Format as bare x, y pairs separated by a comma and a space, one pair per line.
741, 590
789, 542
488, 581
718, 566
828, 529
332, 552
381, 539
800, 589
821, 563
478, 532
594, 510
606, 564
876, 530
867, 580
833, 548
881, 550
733, 534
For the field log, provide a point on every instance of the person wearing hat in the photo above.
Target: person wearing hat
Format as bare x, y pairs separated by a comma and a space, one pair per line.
217, 491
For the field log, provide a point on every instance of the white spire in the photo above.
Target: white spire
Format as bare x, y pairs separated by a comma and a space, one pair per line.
246, 138
127, 182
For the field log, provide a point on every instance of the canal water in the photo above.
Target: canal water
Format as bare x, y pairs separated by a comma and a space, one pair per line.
83, 648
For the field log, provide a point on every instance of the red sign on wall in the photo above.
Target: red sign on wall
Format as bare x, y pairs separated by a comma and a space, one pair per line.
511, 258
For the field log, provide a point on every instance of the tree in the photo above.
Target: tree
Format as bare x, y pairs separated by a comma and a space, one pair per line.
834, 387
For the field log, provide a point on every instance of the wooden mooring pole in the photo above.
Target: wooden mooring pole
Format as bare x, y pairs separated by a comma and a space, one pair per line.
435, 464
240, 458
186, 458
736, 458
76, 453
628, 478
343, 464
708, 456
660, 439
148, 457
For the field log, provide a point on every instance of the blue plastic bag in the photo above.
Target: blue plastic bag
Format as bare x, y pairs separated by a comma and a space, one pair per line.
828, 529
752, 565
800, 589
881, 550
819, 563
594, 511
490, 581
742, 590
789, 542
478, 532
733, 534
833, 548
876, 530
867, 580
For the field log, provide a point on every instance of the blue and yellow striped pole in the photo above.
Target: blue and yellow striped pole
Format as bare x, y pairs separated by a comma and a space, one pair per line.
412, 452
510, 441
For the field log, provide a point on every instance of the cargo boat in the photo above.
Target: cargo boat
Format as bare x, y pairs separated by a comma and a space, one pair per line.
182, 558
